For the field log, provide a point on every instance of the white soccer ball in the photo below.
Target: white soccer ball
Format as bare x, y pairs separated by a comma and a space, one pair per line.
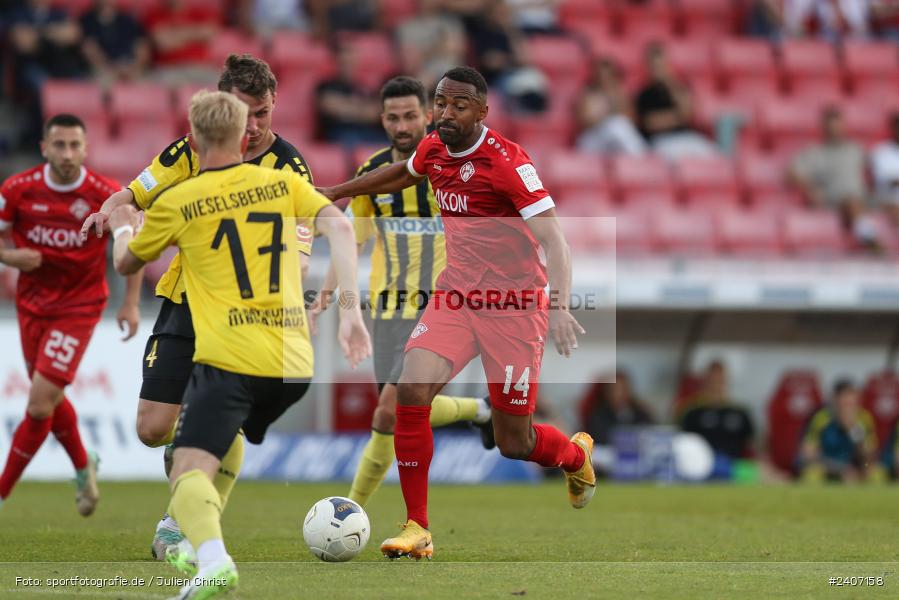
336, 529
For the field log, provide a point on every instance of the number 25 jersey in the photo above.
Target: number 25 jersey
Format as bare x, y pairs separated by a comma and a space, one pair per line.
235, 231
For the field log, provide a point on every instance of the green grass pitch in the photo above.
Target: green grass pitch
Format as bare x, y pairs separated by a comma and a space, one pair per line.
498, 542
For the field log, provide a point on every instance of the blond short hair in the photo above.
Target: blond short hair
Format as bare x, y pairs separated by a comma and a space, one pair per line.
217, 119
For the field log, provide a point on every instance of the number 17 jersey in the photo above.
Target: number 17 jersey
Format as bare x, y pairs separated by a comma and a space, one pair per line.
235, 232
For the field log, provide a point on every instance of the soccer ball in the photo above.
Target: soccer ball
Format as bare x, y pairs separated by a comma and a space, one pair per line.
336, 529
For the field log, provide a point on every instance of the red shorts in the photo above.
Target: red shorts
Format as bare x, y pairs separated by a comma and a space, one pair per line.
53, 346
511, 349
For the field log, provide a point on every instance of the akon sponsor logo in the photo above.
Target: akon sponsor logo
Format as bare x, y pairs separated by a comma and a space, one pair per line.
55, 237
452, 201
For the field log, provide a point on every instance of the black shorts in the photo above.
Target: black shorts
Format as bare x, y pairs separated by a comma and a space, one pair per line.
174, 319
217, 403
389, 337
168, 362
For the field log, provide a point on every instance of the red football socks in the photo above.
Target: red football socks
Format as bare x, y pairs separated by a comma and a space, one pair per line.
65, 428
29, 436
414, 444
553, 449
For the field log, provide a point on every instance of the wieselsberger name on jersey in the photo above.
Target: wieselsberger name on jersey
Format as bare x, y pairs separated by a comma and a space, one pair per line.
214, 204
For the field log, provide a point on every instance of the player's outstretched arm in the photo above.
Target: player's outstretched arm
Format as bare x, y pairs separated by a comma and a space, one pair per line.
386, 180
123, 222
128, 316
98, 220
352, 334
563, 327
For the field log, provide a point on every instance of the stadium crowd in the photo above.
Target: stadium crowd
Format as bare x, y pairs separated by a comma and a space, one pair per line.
733, 112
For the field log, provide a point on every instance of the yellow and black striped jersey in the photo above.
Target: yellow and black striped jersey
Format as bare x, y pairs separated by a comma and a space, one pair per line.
177, 163
234, 230
409, 250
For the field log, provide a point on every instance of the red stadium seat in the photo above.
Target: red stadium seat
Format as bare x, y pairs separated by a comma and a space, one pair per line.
82, 98
550, 130
595, 203
374, 57
712, 200
562, 59
749, 232
705, 176
631, 231
762, 174
650, 200
232, 41
394, 12
296, 108
704, 18
883, 93
711, 106
140, 102
691, 59
150, 134
866, 62
865, 123
814, 233
795, 399
328, 163
584, 15
579, 171
654, 16
295, 55
804, 61
789, 123
818, 94
744, 59
880, 397
623, 53
684, 231
632, 174
777, 202
122, 161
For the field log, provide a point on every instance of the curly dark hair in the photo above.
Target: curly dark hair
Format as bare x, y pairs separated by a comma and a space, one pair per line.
250, 75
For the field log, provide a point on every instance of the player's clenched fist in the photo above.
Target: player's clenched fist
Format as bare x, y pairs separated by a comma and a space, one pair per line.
23, 259
564, 328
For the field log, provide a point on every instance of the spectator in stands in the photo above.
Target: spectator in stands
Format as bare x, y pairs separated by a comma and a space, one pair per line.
431, 43
664, 111
332, 16
605, 112
765, 19
535, 16
834, 19
840, 443
114, 43
497, 45
832, 174
885, 171
885, 18
726, 426
610, 405
273, 15
45, 41
348, 114
180, 35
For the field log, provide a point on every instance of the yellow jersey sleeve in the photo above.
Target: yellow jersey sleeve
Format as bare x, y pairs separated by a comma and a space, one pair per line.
173, 165
307, 202
160, 230
363, 215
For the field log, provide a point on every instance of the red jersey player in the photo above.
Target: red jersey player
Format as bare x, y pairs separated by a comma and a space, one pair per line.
490, 299
60, 296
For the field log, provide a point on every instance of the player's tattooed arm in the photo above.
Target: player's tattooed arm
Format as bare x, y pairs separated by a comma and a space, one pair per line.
98, 220
386, 180
563, 327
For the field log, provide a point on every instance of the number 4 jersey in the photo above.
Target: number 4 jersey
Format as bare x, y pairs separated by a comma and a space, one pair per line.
47, 217
235, 232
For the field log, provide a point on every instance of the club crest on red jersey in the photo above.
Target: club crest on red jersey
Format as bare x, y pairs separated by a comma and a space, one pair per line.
467, 171
79, 208
419, 329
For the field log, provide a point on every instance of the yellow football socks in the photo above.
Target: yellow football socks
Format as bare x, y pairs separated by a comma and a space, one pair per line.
229, 469
376, 460
196, 506
450, 409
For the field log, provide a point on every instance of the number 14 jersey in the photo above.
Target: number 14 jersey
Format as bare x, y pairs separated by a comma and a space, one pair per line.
235, 232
